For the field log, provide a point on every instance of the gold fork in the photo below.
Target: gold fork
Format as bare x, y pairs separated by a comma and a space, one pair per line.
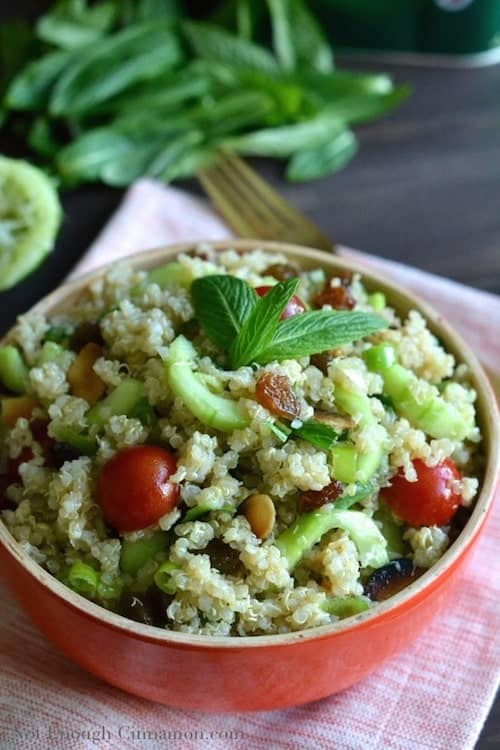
254, 209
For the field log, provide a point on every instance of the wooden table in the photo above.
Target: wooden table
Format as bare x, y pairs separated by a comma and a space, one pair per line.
424, 189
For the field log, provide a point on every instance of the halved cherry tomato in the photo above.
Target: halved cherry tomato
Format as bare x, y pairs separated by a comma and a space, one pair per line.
429, 501
133, 488
294, 307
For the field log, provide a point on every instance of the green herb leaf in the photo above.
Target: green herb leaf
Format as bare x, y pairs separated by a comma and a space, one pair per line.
73, 23
30, 89
286, 140
320, 161
298, 37
16, 42
318, 434
222, 304
215, 44
111, 65
316, 331
260, 326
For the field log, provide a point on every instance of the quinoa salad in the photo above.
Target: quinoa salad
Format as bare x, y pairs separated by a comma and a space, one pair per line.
229, 445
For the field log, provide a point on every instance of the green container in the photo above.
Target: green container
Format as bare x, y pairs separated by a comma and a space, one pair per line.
461, 29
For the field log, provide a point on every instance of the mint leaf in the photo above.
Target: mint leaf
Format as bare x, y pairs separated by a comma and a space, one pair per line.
222, 305
318, 434
316, 331
259, 328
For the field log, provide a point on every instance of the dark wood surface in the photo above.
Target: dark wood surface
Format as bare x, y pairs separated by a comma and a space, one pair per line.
424, 189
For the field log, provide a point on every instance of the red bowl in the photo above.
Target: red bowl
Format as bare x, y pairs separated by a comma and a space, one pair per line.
260, 672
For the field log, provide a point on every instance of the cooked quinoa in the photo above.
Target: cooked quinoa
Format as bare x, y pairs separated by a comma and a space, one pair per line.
229, 563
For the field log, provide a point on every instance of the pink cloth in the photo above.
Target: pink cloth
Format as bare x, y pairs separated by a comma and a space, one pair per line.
434, 695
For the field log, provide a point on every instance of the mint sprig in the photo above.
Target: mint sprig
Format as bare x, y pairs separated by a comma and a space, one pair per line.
317, 331
259, 328
250, 329
222, 304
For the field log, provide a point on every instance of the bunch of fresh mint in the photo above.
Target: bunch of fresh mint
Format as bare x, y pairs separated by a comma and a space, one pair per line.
113, 90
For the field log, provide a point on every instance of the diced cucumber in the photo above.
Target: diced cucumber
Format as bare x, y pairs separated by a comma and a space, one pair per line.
216, 411
308, 529
346, 606
14, 372
171, 276
377, 301
435, 416
348, 464
51, 352
122, 400
84, 444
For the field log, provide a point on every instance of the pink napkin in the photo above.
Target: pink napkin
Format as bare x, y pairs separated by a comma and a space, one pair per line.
434, 695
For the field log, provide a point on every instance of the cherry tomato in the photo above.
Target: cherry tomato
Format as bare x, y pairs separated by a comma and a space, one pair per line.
133, 488
429, 501
294, 307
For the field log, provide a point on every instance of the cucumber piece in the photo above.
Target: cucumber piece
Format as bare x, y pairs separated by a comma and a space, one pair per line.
435, 416
346, 606
30, 215
348, 464
14, 372
213, 410
308, 529
122, 400
171, 276
51, 352
135, 554
377, 301
396, 545
84, 444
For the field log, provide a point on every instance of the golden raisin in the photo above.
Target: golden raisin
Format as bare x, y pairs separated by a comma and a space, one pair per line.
316, 498
275, 393
337, 297
282, 271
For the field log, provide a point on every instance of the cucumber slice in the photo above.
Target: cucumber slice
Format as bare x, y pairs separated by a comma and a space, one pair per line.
213, 410
30, 215
122, 400
14, 373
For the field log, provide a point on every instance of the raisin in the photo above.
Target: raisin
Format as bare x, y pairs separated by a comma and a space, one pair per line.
316, 498
135, 608
345, 277
282, 271
60, 453
224, 558
390, 579
337, 297
86, 333
322, 360
275, 393
158, 602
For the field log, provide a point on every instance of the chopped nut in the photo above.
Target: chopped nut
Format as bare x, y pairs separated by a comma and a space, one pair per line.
332, 419
260, 513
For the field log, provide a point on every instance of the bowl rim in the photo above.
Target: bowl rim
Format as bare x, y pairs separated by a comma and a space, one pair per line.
414, 592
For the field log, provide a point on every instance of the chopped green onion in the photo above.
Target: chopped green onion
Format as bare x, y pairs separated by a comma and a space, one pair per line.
163, 577
83, 579
135, 554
